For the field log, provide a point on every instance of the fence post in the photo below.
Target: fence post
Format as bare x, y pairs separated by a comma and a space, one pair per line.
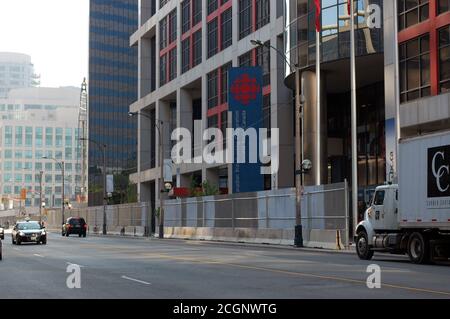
203, 210
232, 213
267, 211
347, 219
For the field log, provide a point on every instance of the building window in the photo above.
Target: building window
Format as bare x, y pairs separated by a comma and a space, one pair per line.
262, 13
224, 82
49, 136
444, 59
212, 38
172, 64
197, 48
163, 33
162, 3
28, 136
8, 135
196, 12
245, 59
412, 12
213, 98
212, 6
163, 70
68, 137
172, 26
19, 136
59, 137
245, 18
227, 29
38, 134
443, 6
263, 60
415, 69
186, 16
185, 55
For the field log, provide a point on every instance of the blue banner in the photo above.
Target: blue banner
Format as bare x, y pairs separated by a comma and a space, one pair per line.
245, 101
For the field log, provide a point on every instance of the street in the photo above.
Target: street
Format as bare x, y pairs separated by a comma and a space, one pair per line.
142, 268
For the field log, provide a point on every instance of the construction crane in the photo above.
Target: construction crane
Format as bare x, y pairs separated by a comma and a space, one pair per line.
82, 145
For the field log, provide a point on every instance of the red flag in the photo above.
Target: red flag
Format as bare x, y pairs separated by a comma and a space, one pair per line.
349, 6
318, 8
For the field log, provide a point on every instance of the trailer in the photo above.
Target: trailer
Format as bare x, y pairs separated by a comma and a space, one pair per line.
413, 216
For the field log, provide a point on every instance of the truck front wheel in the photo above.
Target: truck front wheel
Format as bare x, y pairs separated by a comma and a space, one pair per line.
362, 246
418, 249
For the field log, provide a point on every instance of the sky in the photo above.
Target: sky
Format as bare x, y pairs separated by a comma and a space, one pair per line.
55, 33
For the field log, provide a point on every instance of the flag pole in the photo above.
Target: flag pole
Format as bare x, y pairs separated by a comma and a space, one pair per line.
318, 100
353, 117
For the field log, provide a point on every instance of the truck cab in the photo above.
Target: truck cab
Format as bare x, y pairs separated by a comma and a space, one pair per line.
383, 208
381, 217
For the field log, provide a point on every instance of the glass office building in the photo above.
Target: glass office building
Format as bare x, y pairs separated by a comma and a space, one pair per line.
112, 88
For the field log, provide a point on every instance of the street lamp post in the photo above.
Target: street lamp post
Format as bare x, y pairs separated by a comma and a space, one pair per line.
105, 197
41, 173
161, 173
61, 166
299, 157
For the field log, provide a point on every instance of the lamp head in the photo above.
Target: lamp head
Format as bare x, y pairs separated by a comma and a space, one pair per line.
306, 165
257, 43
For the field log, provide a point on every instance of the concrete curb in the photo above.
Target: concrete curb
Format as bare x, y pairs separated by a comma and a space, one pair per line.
227, 243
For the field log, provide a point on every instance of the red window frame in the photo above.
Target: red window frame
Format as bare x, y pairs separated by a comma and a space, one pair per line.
221, 8
169, 47
430, 26
190, 34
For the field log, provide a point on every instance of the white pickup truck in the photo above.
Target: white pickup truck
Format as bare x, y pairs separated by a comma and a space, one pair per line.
412, 217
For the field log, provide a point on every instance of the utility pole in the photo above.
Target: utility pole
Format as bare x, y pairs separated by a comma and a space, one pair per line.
105, 198
300, 169
354, 128
159, 126
41, 173
161, 198
298, 163
63, 194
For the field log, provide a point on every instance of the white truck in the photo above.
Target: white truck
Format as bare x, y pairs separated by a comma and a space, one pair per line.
412, 217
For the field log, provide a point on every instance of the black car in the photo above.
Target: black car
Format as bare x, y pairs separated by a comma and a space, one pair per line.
74, 225
28, 232
2, 232
1, 255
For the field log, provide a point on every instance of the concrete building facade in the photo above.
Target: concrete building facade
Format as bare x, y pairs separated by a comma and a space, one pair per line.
37, 123
185, 51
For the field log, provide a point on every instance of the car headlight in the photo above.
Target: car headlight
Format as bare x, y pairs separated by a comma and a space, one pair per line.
21, 233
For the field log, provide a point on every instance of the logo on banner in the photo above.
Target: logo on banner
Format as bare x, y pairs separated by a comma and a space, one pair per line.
245, 89
439, 172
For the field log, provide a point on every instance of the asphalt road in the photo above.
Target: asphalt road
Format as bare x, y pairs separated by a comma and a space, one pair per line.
143, 268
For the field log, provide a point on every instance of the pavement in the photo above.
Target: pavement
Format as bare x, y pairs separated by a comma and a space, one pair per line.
121, 267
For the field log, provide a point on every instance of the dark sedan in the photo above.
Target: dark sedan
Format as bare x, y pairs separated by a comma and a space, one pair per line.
28, 232
74, 225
